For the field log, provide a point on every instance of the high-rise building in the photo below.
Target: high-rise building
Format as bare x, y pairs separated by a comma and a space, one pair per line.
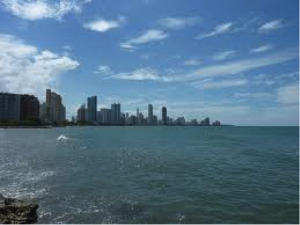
105, 116
29, 108
81, 117
10, 106
150, 114
164, 116
116, 114
92, 109
54, 110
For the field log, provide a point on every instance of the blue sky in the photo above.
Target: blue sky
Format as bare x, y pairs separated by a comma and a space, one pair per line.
235, 61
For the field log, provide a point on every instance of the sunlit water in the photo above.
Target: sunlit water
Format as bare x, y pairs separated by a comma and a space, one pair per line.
154, 174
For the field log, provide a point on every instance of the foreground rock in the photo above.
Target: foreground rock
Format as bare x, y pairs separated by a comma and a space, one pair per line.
14, 211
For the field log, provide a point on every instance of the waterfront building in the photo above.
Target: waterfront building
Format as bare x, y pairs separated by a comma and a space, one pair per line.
150, 114
180, 121
10, 106
105, 116
164, 116
155, 122
55, 111
81, 114
194, 122
92, 109
216, 123
29, 107
116, 114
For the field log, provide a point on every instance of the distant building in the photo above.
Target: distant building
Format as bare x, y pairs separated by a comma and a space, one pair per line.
81, 114
216, 123
205, 122
194, 122
92, 109
180, 121
29, 108
54, 110
116, 114
150, 114
10, 106
155, 122
105, 116
164, 116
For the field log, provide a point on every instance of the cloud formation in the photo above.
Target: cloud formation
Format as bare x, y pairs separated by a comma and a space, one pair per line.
262, 48
271, 26
42, 9
240, 66
288, 94
138, 74
148, 36
224, 55
220, 29
176, 23
206, 84
26, 69
102, 25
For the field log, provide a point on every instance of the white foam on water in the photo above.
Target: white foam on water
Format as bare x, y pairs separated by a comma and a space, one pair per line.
62, 138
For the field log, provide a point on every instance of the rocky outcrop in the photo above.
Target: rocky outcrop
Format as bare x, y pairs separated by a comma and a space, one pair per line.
14, 211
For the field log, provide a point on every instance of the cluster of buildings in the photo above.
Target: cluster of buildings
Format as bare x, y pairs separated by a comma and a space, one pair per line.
16, 107
19, 107
88, 114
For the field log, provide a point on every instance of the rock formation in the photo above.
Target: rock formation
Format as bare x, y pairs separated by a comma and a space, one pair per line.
14, 211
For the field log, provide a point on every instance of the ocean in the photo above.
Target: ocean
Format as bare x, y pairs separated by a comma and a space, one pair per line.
154, 174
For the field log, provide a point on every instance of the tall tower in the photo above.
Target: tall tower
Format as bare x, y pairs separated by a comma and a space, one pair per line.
92, 109
150, 114
164, 116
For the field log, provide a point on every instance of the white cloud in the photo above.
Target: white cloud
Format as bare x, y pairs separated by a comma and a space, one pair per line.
177, 23
253, 95
219, 84
103, 70
270, 26
26, 69
192, 62
224, 55
149, 36
240, 66
262, 48
220, 29
102, 25
288, 94
42, 9
141, 74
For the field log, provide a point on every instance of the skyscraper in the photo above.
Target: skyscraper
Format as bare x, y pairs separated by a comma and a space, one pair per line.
116, 114
81, 114
150, 114
164, 116
54, 110
92, 109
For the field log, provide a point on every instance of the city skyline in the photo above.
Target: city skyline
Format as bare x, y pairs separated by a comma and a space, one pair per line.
237, 62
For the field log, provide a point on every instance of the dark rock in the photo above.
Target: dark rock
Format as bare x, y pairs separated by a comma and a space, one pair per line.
14, 211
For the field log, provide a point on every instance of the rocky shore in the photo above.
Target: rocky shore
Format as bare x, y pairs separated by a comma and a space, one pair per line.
15, 211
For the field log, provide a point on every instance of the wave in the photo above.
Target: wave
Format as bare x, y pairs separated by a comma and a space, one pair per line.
62, 138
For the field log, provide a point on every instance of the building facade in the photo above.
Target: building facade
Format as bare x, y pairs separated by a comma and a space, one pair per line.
29, 108
150, 114
116, 114
164, 116
92, 109
10, 106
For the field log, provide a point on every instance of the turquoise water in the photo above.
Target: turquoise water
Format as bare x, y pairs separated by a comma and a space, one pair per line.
155, 174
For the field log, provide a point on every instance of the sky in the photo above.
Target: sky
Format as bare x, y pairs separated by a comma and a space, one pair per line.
234, 61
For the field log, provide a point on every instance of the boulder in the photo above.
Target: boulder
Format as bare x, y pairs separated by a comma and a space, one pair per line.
15, 211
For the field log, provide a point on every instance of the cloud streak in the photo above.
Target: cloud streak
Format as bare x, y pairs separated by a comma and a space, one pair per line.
220, 29
151, 35
240, 66
177, 23
271, 26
